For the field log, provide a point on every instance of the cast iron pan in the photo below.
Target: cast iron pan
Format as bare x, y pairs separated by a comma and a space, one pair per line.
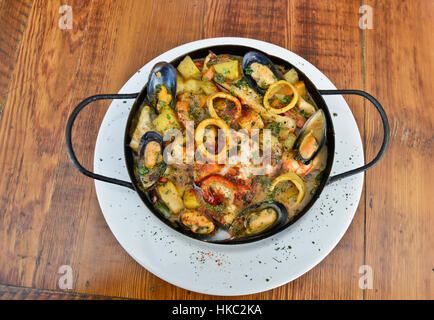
316, 95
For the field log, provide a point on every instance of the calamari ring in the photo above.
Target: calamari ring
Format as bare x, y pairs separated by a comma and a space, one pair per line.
223, 95
296, 180
200, 132
269, 93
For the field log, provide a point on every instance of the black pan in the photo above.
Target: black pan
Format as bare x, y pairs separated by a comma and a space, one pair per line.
238, 50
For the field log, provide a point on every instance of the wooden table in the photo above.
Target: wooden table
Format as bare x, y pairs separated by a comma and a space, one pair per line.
49, 213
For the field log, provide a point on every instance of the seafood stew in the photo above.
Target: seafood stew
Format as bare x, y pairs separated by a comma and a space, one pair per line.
254, 127
229, 148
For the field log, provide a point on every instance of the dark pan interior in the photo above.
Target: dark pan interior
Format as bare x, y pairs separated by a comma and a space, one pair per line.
239, 51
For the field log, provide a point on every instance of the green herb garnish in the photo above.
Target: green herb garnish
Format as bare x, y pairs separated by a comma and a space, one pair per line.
248, 71
143, 171
286, 100
219, 78
240, 83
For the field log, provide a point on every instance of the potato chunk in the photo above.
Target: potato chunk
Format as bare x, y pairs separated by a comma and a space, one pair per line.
190, 199
208, 87
170, 196
228, 69
291, 76
193, 86
166, 120
188, 69
301, 88
180, 83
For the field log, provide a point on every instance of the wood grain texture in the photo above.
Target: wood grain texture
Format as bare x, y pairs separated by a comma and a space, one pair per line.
13, 19
400, 223
21, 293
49, 214
31, 140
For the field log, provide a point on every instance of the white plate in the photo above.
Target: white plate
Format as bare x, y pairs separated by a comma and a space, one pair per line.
237, 269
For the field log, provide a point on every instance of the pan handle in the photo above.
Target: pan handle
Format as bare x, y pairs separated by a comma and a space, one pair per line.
386, 132
69, 148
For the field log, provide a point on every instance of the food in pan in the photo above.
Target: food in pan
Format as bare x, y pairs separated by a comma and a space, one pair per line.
228, 144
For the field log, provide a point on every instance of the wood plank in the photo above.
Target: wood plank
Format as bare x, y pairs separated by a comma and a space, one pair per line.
262, 20
31, 138
23, 293
13, 19
400, 224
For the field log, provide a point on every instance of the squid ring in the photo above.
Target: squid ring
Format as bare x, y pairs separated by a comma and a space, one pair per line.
223, 95
296, 180
200, 132
269, 93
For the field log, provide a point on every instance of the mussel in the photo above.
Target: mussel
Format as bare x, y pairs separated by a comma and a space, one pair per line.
197, 224
259, 218
151, 164
162, 84
259, 71
311, 138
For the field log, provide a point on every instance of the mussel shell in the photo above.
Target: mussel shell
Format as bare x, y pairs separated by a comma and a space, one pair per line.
255, 56
318, 124
166, 77
153, 175
201, 236
238, 227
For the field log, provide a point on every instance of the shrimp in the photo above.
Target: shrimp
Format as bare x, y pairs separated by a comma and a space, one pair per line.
209, 74
182, 110
217, 189
202, 171
221, 193
290, 164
